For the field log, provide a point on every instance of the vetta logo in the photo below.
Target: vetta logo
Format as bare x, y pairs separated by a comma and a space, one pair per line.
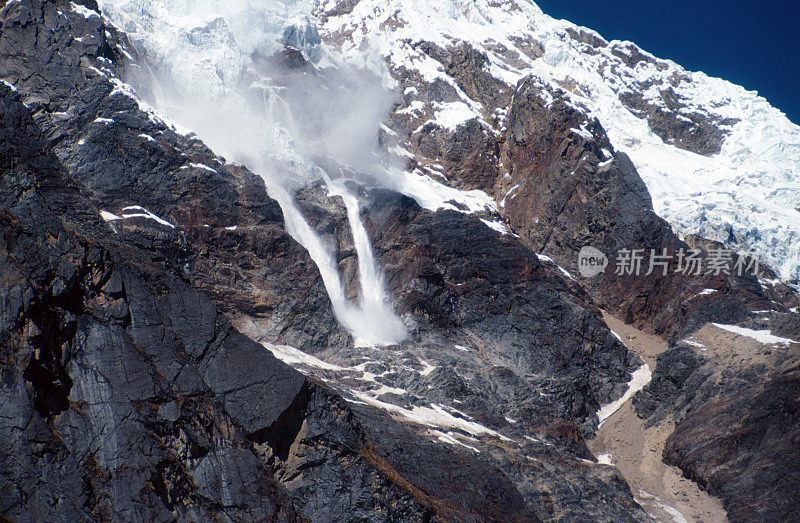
591, 262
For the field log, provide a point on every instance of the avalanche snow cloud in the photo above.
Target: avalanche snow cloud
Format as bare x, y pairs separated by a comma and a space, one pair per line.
207, 67
746, 194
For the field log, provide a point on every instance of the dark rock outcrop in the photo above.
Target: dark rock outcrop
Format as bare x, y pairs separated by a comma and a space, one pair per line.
566, 188
127, 394
465, 156
466, 283
660, 396
744, 448
547, 484
695, 132
121, 156
736, 428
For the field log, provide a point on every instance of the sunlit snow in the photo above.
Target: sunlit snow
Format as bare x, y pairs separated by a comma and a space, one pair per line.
746, 196
762, 336
639, 379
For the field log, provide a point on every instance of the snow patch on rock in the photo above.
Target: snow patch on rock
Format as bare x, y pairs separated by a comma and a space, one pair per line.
762, 336
639, 379
134, 211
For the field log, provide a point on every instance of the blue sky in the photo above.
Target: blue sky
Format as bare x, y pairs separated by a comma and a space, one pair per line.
753, 43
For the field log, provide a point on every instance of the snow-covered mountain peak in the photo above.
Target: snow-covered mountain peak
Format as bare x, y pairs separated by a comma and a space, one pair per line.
718, 159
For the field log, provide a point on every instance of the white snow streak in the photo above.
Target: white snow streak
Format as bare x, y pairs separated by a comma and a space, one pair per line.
762, 336
639, 379
134, 211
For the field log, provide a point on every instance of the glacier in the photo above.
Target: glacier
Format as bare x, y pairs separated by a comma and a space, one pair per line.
746, 196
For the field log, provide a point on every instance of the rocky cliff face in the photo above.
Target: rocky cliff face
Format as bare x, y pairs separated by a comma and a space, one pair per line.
735, 406
570, 190
123, 156
558, 180
696, 141
149, 284
129, 393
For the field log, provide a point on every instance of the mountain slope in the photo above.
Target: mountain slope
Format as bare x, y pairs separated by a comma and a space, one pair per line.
718, 160
403, 234
152, 406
